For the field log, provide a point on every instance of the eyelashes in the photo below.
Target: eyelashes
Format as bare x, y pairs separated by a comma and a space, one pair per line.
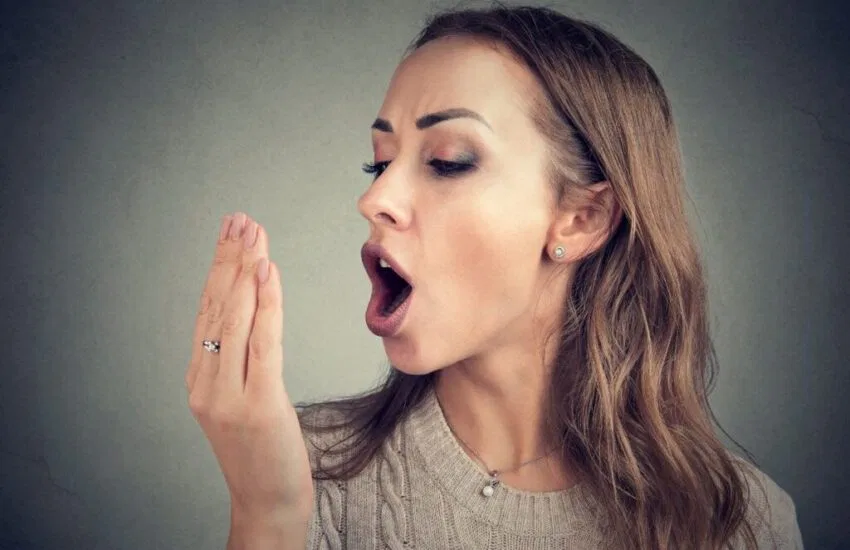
375, 168
441, 168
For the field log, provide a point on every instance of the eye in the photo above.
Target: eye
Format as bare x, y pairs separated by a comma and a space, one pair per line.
450, 169
442, 168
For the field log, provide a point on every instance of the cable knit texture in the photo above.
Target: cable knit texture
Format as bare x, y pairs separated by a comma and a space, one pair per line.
423, 491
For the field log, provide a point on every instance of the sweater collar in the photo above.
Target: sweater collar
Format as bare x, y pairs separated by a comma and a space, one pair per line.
517, 511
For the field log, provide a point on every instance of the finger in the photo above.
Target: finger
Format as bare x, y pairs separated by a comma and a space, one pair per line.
222, 274
239, 311
227, 269
265, 344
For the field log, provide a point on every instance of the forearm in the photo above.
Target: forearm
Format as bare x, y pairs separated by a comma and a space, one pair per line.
281, 531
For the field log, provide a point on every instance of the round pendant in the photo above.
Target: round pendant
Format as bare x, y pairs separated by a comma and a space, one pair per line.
487, 491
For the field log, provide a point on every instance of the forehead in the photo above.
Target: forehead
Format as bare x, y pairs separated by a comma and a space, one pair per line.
462, 72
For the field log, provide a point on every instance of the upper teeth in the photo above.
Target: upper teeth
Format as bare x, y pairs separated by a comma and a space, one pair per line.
383, 263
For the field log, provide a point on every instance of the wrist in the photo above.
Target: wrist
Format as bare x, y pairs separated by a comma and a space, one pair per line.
282, 529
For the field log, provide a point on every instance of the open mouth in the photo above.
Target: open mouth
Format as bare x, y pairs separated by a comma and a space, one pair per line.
394, 289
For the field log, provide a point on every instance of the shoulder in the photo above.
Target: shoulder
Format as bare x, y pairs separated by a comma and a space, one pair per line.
319, 416
771, 509
324, 425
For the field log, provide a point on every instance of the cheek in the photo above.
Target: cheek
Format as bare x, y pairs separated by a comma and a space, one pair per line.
492, 266
483, 252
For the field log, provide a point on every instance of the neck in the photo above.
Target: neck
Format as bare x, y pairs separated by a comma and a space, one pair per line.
496, 403
499, 414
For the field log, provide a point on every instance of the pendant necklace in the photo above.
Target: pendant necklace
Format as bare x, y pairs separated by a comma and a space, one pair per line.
493, 482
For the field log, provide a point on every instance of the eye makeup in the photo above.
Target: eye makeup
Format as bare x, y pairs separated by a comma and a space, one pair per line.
453, 168
447, 154
440, 167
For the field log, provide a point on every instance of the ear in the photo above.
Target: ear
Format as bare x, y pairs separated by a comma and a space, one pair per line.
584, 226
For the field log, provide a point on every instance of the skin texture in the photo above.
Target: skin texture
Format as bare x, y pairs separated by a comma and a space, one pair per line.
477, 247
238, 397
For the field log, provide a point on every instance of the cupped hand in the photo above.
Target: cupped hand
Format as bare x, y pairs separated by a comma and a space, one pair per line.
238, 395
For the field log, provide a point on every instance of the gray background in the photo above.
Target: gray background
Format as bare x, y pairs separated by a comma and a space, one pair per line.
129, 129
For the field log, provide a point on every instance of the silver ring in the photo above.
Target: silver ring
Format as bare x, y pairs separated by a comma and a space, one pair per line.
212, 346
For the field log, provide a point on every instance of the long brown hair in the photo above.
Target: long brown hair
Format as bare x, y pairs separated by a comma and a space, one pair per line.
635, 363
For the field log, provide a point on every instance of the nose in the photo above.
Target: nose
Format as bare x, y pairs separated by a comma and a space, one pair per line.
386, 202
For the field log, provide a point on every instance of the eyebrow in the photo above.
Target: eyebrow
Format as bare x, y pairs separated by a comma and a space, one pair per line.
431, 119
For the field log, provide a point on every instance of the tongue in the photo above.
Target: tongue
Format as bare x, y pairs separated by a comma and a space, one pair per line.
398, 296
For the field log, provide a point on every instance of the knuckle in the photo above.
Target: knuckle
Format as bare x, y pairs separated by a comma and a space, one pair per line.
206, 303
220, 276
215, 313
198, 405
231, 325
223, 254
249, 266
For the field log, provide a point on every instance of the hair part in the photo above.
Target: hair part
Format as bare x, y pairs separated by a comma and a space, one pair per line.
635, 362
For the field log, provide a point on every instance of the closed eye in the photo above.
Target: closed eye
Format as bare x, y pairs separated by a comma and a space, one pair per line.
442, 168
450, 169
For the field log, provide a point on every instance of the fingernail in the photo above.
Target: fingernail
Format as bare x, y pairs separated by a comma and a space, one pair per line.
263, 270
225, 226
236, 226
251, 234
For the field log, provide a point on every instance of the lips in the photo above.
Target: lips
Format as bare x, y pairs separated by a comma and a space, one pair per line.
392, 291
371, 254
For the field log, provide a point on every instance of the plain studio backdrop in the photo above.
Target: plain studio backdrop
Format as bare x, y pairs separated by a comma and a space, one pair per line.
129, 129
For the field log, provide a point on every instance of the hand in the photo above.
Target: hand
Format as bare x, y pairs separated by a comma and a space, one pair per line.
238, 396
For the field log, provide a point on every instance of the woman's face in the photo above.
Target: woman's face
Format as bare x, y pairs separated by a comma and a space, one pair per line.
472, 240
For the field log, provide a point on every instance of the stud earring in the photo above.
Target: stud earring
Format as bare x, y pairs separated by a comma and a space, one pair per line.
559, 251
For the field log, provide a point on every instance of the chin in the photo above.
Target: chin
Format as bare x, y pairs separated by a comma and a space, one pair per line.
405, 357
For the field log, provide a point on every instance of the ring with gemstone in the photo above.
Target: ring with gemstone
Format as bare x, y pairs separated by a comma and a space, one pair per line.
212, 346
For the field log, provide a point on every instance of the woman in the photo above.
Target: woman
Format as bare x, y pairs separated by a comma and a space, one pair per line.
541, 300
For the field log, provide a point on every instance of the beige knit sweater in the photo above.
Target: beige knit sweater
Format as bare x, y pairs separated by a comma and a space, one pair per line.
423, 491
